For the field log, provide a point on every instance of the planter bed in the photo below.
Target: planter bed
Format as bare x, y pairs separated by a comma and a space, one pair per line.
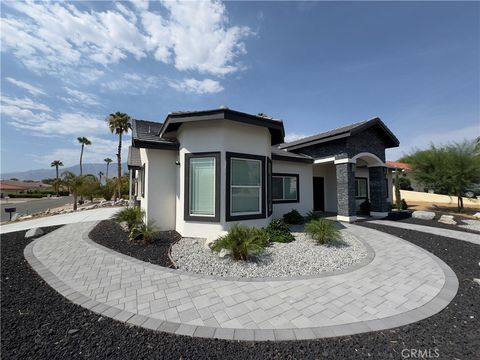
298, 258
109, 234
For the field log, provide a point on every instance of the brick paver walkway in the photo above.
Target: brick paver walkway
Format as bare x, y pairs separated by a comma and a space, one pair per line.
402, 284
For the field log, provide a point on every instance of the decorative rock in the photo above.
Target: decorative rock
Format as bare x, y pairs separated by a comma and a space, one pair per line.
72, 331
447, 219
208, 242
34, 232
477, 215
223, 253
435, 207
424, 215
15, 216
124, 226
194, 241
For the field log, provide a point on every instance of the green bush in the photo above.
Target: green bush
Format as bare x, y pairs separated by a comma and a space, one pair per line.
242, 241
404, 205
322, 231
365, 207
311, 215
144, 232
26, 196
278, 231
293, 217
133, 216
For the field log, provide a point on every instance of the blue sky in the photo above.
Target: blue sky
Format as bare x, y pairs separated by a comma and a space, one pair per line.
316, 65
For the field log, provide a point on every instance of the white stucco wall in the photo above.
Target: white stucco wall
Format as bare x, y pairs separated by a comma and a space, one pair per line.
160, 187
328, 172
216, 136
305, 173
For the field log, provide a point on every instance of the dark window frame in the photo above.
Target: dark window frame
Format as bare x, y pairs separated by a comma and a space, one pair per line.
186, 204
388, 192
263, 213
366, 187
269, 187
144, 169
288, 201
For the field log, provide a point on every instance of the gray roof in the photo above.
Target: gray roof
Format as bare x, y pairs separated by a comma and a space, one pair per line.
344, 131
146, 133
279, 154
134, 161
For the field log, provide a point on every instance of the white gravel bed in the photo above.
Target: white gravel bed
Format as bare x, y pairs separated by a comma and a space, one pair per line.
298, 258
471, 225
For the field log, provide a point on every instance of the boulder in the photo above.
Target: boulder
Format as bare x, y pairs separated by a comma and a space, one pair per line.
477, 215
447, 219
15, 216
34, 232
208, 242
223, 253
435, 207
424, 215
124, 226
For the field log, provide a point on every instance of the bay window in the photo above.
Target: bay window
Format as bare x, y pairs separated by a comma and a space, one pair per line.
245, 186
202, 187
285, 188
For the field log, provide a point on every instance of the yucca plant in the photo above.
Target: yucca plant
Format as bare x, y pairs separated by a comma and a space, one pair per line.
311, 215
133, 216
322, 231
242, 241
145, 232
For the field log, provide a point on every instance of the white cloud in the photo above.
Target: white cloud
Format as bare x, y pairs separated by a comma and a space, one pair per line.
206, 86
55, 37
34, 90
294, 136
133, 83
25, 103
79, 97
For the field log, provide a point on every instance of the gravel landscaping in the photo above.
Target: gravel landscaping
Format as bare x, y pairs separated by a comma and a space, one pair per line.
298, 258
38, 323
110, 234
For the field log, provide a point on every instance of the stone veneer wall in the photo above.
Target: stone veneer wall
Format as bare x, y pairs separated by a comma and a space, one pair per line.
378, 189
345, 189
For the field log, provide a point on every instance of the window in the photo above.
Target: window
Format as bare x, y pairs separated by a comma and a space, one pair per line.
269, 187
202, 187
245, 186
361, 188
386, 186
285, 188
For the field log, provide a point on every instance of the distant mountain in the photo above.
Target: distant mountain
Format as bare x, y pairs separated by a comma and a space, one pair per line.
40, 174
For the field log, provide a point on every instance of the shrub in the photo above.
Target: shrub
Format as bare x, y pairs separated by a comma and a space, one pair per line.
365, 207
242, 241
133, 216
311, 215
293, 217
278, 231
26, 196
322, 231
145, 232
404, 205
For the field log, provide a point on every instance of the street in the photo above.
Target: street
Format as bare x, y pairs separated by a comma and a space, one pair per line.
29, 206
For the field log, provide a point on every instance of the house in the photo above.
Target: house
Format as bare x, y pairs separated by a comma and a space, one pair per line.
14, 187
405, 171
200, 172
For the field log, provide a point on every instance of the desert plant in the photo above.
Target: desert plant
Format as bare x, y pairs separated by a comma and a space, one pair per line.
322, 231
404, 205
242, 241
278, 231
311, 215
293, 217
133, 216
145, 232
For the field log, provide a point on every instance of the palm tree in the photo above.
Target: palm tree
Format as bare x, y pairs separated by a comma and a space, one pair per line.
119, 123
56, 163
108, 161
100, 174
83, 141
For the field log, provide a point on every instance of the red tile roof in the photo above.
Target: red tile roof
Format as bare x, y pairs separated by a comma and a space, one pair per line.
398, 165
5, 186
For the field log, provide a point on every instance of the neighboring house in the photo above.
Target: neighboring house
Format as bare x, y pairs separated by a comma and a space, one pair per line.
200, 172
9, 187
405, 171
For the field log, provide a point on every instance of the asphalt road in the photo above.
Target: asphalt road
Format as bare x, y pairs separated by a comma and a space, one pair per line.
29, 206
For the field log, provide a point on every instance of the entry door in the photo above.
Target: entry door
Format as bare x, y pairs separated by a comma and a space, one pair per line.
318, 194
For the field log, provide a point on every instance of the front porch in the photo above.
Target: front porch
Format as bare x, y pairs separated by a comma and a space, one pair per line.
341, 185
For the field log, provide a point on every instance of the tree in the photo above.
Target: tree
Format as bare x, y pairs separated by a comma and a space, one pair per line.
100, 174
450, 169
83, 141
56, 164
108, 161
119, 123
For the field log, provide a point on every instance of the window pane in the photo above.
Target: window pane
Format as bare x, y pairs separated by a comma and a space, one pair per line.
361, 188
245, 200
290, 188
246, 172
277, 188
202, 186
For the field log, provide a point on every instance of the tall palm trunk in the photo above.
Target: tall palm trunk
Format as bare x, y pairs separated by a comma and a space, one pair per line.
81, 157
119, 166
75, 201
56, 182
106, 176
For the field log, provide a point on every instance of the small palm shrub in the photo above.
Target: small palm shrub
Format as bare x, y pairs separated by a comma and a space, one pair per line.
278, 231
133, 216
404, 205
322, 231
242, 241
293, 217
143, 232
311, 215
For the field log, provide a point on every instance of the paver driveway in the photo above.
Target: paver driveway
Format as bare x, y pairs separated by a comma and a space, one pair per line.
402, 284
